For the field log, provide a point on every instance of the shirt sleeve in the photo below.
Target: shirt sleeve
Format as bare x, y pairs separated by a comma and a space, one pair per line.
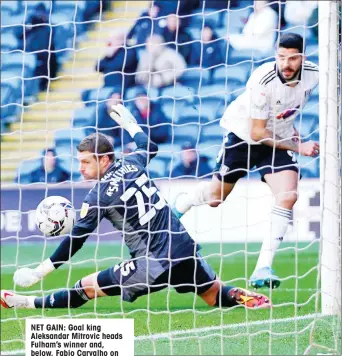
90, 217
259, 102
316, 81
145, 151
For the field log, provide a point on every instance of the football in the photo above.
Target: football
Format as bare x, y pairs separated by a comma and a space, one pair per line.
55, 216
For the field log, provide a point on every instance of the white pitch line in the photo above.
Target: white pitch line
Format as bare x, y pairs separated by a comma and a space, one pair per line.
279, 290
224, 327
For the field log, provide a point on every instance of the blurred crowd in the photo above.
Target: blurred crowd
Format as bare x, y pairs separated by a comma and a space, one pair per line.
167, 40
161, 46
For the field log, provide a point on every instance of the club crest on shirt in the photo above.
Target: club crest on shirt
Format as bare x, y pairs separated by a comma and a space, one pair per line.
308, 93
84, 210
224, 170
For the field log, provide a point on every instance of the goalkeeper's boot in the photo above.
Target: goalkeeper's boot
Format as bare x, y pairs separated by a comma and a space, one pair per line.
264, 277
248, 299
175, 211
12, 300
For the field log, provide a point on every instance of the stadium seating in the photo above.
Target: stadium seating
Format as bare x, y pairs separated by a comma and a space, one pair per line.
312, 53
9, 107
216, 91
194, 104
231, 74
11, 14
199, 18
310, 123
209, 103
25, 169
195, 77
194, 115
212, 133
66, 139
182, 133
9, 42
309, 166
235, 19
68, 18
169, 153
195, 33
10, 7
84, 117
16, 66
178, 91
209, 147
92, 97
32, 5
74, 10
14, 81
132, 93
157, 168
173, 109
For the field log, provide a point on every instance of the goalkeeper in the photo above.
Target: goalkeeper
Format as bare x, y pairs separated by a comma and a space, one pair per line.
162, 251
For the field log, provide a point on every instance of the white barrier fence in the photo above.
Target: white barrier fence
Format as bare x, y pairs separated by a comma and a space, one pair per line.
245, 215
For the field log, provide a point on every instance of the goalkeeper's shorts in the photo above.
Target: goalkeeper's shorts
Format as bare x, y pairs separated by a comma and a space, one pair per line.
141, 276
237, 157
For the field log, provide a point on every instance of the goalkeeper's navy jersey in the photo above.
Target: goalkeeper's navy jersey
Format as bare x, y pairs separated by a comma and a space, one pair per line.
132, 203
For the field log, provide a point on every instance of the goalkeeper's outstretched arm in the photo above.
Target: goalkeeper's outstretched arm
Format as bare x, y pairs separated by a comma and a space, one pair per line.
146, 148
26, 277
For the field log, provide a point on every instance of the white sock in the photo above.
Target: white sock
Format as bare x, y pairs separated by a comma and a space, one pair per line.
22, 301
30, 302
195, 197
280, 219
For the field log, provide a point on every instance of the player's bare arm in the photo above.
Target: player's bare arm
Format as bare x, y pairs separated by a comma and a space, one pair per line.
261, 134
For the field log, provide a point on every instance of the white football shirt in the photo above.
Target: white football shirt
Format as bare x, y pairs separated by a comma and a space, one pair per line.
267, 97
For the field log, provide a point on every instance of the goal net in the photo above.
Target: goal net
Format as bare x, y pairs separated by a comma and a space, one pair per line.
64, 63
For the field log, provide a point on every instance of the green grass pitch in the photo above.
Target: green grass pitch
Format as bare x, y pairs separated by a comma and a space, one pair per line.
181, 324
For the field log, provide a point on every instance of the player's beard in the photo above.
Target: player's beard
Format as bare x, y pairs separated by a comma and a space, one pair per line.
294, 76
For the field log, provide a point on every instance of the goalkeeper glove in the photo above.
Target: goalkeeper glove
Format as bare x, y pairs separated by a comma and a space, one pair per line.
125, 119
27, 277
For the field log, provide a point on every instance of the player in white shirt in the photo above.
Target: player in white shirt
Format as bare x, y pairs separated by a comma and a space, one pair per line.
261, 134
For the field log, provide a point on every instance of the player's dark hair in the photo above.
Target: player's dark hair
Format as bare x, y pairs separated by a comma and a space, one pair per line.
292, 40
98, 144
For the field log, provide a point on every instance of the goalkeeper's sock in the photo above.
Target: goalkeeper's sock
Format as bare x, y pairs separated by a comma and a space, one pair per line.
197, 196
65, 298
280, 219
224, 299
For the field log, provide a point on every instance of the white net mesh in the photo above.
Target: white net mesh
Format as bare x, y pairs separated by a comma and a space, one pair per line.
63, 64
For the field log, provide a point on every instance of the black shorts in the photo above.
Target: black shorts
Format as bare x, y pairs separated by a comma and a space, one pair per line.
237, 157
134, 278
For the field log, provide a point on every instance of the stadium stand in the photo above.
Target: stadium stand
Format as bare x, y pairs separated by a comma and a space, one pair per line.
33, 120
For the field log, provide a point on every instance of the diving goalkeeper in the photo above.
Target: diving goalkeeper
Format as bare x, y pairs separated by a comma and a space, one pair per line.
162, 252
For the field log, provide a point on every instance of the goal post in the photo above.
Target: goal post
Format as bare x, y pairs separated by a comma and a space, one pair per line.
330, 126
